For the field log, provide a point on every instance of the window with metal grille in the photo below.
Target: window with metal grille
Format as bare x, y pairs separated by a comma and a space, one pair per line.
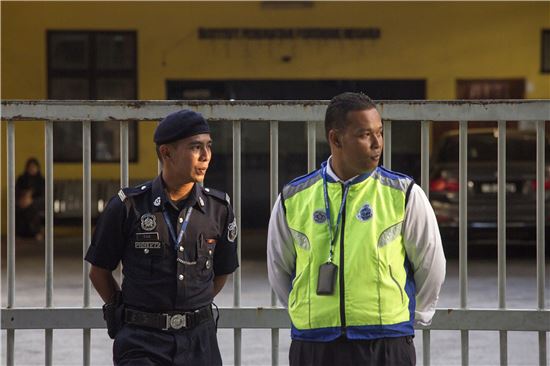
94, 65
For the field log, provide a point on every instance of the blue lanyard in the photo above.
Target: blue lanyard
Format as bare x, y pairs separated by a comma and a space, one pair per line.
182, 229
327, 211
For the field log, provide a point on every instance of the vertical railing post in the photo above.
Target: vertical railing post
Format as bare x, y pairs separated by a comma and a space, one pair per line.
124, 176
501, 235
237, 207
311, 145
86, 229
541, 139
49, 235
274, 190
124, 153
387, 144
10, 334
463, 231
425, 183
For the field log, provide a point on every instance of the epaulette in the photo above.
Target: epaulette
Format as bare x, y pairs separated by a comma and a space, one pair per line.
218, 194
134, 191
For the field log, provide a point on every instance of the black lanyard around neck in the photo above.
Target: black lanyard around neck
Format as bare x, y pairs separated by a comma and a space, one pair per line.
327, 211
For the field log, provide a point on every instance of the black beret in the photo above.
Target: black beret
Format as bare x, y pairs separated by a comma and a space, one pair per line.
179, 125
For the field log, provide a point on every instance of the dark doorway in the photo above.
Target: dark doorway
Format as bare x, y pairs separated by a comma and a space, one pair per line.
293, 89
292, 136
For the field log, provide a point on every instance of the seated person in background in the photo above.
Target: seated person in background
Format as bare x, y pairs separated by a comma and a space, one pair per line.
27, 217
32, 179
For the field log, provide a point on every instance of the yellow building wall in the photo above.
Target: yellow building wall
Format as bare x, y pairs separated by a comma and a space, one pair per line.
439, 42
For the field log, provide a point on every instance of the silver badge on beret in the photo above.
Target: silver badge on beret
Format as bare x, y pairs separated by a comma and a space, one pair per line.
232, 231
157, 202
365, 212
148, 222
319, 216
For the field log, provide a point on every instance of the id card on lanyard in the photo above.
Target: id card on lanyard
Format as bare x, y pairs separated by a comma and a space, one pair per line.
328, 270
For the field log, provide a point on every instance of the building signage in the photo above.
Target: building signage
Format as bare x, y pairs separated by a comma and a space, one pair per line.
289, 33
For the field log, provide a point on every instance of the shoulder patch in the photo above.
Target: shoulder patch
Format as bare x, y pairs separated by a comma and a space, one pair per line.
217, 194
121, 195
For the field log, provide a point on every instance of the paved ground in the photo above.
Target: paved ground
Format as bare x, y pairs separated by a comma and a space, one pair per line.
521, 294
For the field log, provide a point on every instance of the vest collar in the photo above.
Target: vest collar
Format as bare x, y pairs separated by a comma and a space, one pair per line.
333, 178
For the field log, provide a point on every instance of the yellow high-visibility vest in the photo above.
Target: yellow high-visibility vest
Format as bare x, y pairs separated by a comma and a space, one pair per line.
374, 290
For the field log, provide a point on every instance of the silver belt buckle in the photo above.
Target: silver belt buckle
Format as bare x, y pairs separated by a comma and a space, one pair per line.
176, 321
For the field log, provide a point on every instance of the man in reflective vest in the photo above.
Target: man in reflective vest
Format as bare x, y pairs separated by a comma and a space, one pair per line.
354, 250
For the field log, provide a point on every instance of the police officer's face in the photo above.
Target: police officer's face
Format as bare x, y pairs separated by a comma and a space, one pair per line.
360, 144
189, 157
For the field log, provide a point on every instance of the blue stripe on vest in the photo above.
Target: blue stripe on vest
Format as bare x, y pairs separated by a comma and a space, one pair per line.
303, 178
391, 174
381, 331
410, 288
365, 332
316, 335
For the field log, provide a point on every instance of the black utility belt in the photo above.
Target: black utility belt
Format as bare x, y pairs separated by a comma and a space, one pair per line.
168, 320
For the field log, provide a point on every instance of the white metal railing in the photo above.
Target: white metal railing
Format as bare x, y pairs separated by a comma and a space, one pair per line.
462, 319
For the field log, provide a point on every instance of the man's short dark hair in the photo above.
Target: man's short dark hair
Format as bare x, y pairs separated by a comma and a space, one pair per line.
157, 149
340, 105
174, 144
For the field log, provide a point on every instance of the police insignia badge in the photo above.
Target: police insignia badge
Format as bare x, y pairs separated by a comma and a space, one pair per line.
232, 231
365, 213
319, 216
148, 222
157, 202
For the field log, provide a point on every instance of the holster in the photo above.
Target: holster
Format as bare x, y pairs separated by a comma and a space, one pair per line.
113, 313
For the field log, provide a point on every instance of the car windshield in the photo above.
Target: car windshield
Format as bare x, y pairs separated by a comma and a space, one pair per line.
483, 148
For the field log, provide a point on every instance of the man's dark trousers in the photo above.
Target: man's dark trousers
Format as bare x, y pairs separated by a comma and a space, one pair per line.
397, 351
135, 345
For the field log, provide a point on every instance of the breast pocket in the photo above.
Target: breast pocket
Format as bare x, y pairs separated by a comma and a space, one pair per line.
145, 258
205, 259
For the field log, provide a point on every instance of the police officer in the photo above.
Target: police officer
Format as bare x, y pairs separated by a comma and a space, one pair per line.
176, 242
354, 250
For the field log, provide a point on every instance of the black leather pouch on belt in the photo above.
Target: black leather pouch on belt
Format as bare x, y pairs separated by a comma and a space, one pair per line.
113, 313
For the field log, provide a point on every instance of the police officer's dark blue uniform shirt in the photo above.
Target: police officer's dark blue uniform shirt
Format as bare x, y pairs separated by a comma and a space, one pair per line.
158, 276
171, 252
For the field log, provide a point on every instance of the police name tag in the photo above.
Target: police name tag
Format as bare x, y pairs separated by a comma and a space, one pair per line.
147, 245
147, 236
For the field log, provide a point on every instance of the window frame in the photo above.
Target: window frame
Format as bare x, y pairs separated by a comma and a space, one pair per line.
93, 74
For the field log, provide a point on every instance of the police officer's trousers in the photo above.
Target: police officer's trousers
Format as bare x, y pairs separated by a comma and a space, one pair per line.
377, 352
142, 346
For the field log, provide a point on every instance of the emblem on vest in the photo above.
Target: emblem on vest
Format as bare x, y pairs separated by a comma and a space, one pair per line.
319, 216
365, 213
148, 222
157, 202
232, 231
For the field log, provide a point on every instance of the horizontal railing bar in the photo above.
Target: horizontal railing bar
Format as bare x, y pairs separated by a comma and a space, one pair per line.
274, 110
266, 318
